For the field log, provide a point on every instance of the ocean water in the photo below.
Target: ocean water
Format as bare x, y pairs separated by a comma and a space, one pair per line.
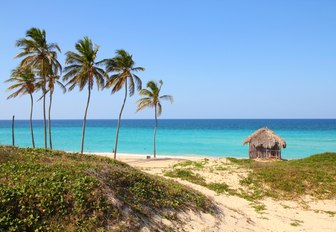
219, 138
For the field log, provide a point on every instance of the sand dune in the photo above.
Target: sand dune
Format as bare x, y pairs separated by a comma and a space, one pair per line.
239, 214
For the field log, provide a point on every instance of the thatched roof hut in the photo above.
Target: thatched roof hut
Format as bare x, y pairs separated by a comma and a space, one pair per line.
264, 143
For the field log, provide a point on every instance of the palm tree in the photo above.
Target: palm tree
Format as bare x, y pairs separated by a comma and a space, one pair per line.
24, 83
123, 65
41, 56
152, 99
52, 80
83, 70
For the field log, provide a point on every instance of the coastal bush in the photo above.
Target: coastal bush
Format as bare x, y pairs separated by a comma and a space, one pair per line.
43, 190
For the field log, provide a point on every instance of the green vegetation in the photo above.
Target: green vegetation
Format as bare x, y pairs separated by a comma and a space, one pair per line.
331, 213
192, 164
296, 223
315, 176
219, 187
246, 162
43, 190
259, 207
187, 175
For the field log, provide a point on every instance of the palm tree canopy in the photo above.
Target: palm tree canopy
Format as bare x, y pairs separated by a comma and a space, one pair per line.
54, 79
123, 66
37, 53
152, 97
82, 68
24, 82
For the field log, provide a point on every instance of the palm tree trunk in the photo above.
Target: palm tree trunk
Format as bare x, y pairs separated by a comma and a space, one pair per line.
118, 126
156, 122
13, 136
84, 122
44, 121
44, 103
49, 121
31, 119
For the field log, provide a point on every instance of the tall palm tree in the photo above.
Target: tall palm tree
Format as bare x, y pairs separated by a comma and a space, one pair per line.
123, 66
53, 79
24, 83
152, 99
42, 56
83, 70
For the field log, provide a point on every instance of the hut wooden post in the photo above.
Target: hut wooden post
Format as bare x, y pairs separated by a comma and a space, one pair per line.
13, 137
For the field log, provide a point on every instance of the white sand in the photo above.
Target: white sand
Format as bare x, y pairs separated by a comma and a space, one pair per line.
238, 214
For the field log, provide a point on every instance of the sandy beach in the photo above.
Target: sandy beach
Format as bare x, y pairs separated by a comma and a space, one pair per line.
239, 214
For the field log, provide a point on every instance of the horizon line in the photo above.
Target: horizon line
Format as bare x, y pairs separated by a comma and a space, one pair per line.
64, 119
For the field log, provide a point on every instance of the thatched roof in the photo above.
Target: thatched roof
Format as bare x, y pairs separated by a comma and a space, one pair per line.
266, 138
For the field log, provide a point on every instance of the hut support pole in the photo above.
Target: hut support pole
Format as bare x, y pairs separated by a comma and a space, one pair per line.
13, 137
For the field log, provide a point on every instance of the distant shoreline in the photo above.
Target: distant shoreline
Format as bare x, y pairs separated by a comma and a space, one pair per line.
139, 156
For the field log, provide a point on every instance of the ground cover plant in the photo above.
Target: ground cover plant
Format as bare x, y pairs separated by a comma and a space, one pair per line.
43, 190
314, 176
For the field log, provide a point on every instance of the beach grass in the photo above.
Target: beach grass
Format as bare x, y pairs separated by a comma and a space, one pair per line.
43, 190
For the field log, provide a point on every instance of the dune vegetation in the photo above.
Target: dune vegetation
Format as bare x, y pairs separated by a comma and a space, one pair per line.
314, 176
43, 190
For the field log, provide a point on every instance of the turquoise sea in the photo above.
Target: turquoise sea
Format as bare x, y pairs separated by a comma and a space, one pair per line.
220, 138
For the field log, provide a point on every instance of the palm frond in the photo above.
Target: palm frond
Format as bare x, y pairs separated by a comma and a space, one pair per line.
137, 69
122, 65
168, 98
145, 92
153, 97
62, 86
159, 109
138, 82
131, 86
144, 103
153, 86
118, 85
82, 69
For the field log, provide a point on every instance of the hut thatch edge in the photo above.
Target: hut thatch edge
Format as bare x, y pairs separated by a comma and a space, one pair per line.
266, 138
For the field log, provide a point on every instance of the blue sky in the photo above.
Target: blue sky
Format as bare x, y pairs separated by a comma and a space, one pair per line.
219, 59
